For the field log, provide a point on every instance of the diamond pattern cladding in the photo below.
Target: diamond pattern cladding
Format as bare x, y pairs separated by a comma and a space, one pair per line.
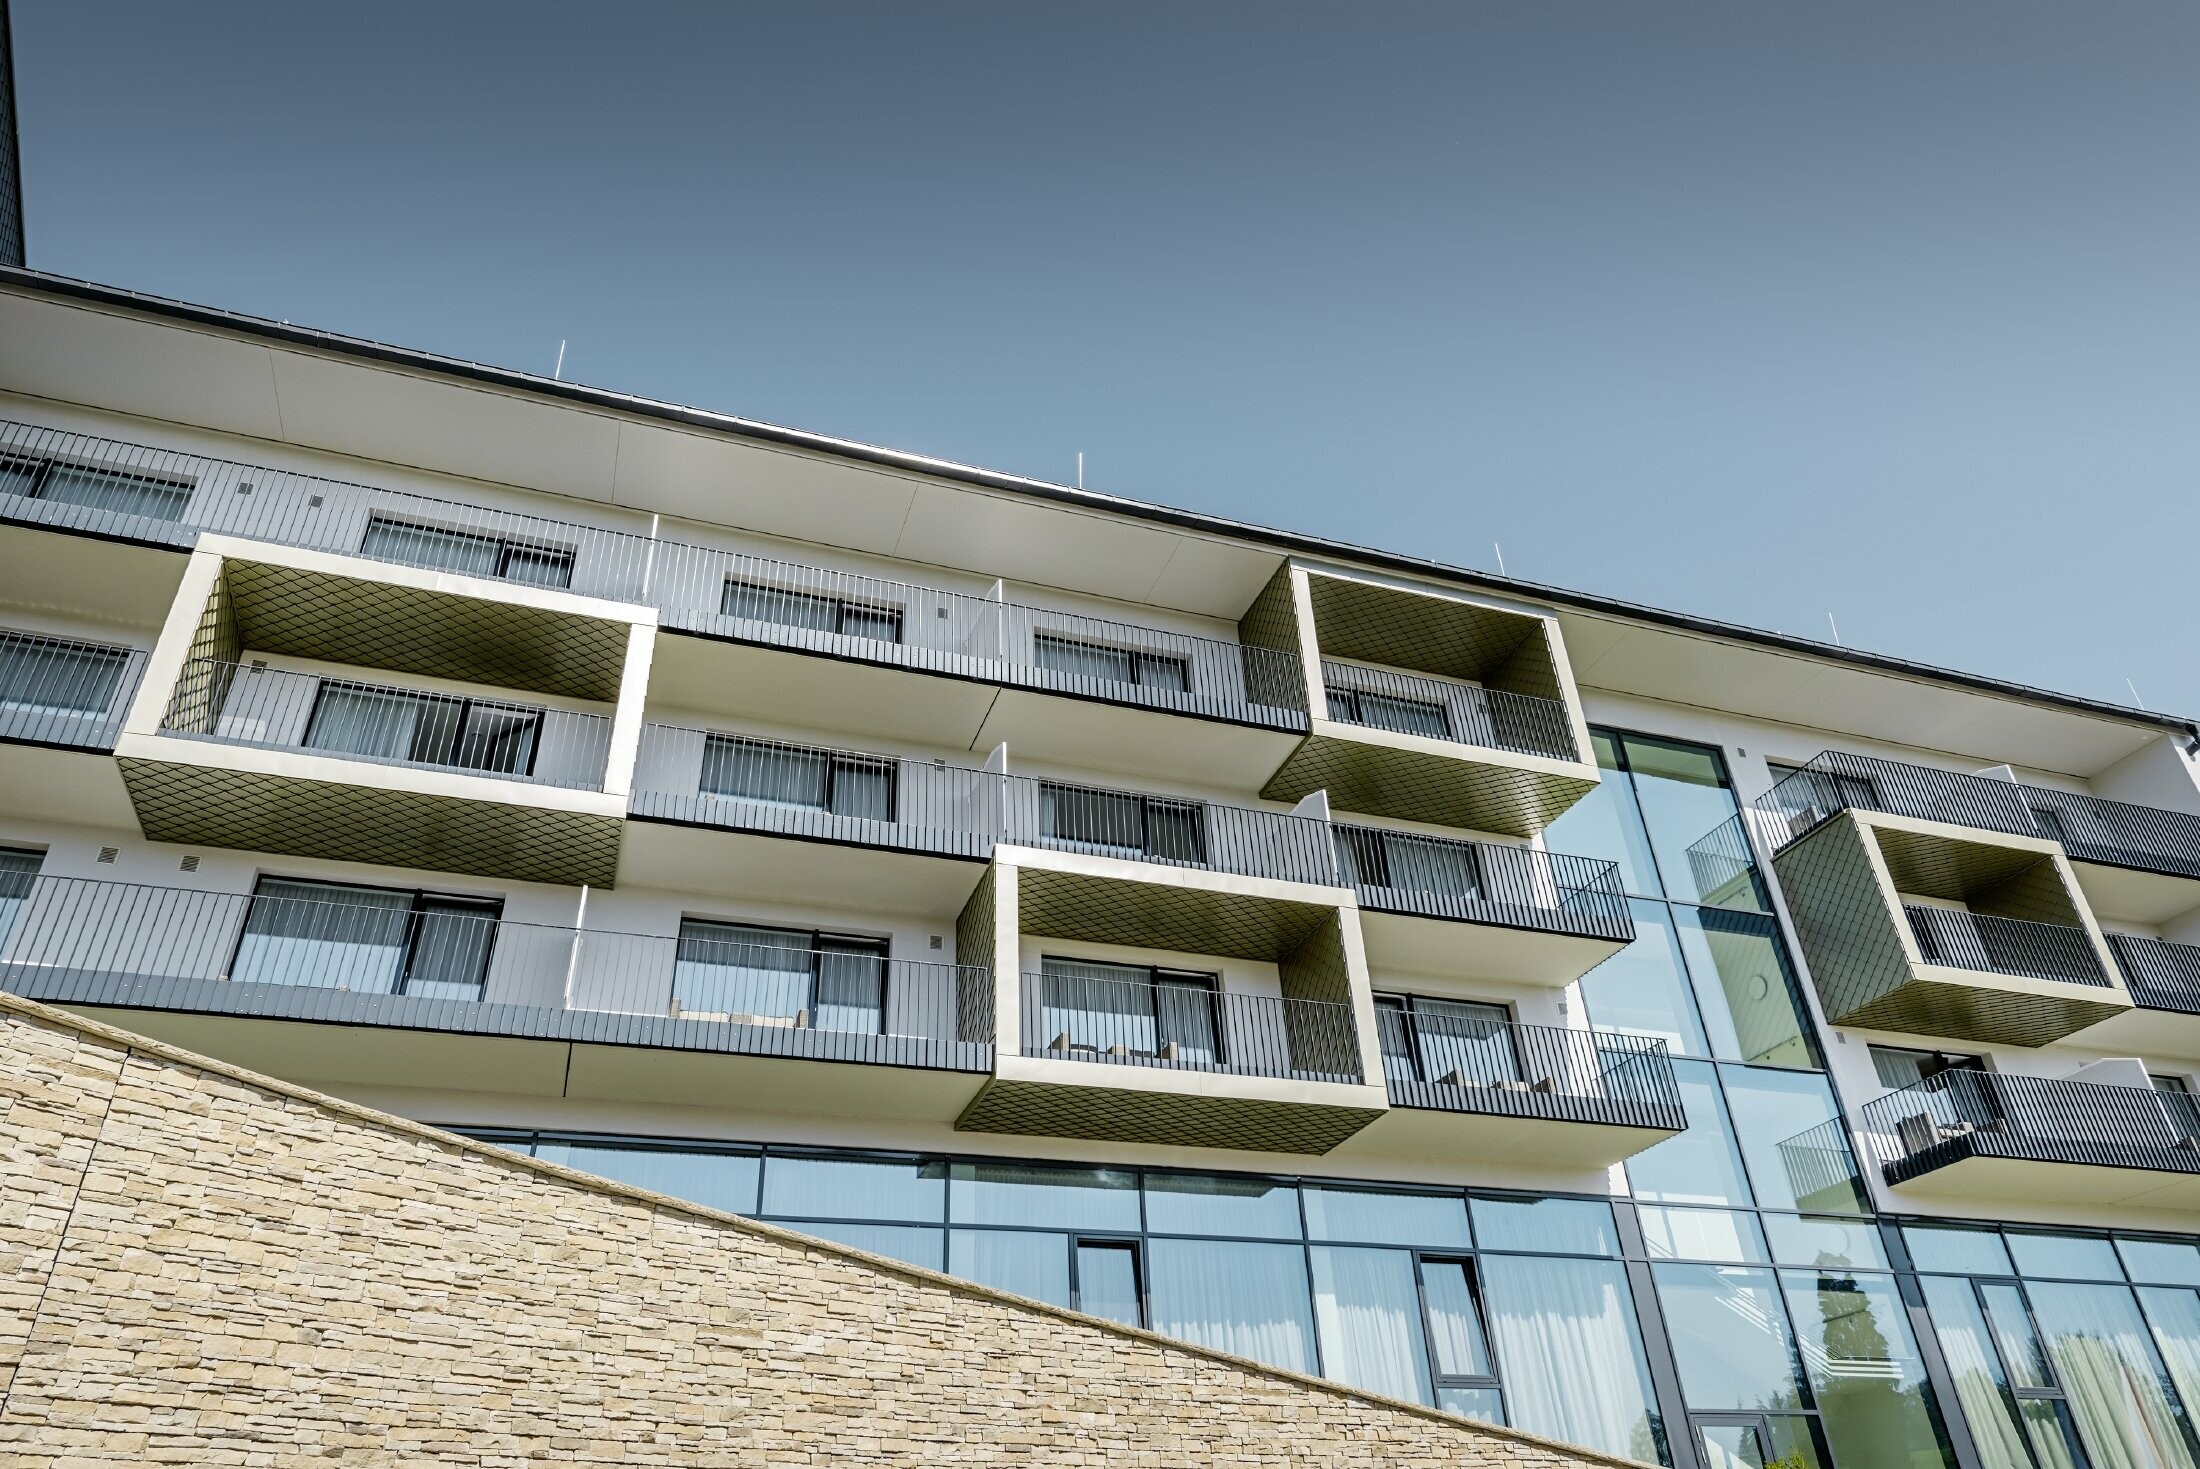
1463, 790
1043, 1109
1107, 910
1378, 624
196, 805
372, 624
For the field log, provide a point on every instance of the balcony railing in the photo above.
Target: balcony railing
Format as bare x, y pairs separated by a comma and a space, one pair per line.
1187, 1027
1962, 1114
86, 941
1169, 830
351, 719
2160, 975
64, 691
1483, 882
1464, 714
1984, 942
2090, 828
103, 487
1459, 1063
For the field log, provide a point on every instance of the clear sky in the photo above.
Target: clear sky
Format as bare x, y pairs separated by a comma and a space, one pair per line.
1754, 310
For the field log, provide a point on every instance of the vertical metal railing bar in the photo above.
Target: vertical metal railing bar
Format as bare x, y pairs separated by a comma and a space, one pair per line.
1491, 881
1960, 1112
2161, 975
1455, 1061
65, 691
1102, 1020
1995, 945
1461, 713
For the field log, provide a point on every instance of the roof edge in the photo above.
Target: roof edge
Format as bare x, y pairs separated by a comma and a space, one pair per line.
1282, 542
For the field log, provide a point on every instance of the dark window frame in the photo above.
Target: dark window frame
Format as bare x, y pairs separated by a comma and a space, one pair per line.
493, 907
1146, 806
815, 941
1401, 1003
1141, 659
1471, 1266
42, 473
1132, 1245
1348, 706
467, 706
842, 609
1158, 975
837, 763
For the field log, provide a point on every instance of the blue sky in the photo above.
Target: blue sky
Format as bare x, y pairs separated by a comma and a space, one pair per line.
1758, 311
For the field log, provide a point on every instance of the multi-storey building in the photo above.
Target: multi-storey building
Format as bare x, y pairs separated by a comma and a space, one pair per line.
1691, 1042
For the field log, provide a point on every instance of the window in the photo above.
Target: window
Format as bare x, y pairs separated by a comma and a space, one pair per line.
1104, 1281
471, 552
123, 492
1399, 860
1899, 1068
2050, 824
775, 976
1128, 1011
18, 870
1122, 823
1449, 1042
1406, 1324
1103, 664
1234, 1296
716, 1180
758, 602
1393, 712
789, 775
424, 729
51, 676
325, 935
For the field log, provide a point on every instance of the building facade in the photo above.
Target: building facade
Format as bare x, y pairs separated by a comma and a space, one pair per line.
1692, 1043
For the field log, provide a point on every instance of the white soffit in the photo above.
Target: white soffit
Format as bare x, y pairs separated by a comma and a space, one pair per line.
1791, 688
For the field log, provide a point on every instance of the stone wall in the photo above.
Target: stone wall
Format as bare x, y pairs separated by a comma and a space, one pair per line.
199, 1265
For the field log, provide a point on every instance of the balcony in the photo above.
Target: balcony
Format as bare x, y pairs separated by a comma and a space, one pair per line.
2136, 864
918, 825
1481, 910
62, 700
1428, 706
2164, 982
1281, 1072
1996, 1136
1522, 1093
1934, 929
856, 651
363, 993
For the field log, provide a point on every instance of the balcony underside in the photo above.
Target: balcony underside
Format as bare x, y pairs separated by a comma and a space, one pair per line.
1038, 1097
1995, 1009
2127, 895
381, 814
1415, 778
882, 690
1464, 949
1189, 911
794, 868
337, 1039
110, 581
1505, 1126
1986, 1166
79, 787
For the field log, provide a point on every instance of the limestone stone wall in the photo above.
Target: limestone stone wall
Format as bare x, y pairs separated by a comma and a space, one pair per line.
202, 1266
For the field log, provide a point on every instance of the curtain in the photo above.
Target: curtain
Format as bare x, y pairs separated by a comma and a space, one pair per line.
1097, 1005
1368, 1311
38, 673
324, 936
1184, 1015
1243, 1298
109, 489
18, 870
2174, 1316
851, 988
853, 1188
450, 952
753, 770
1026, 1262
370, 722
1981, 1385
2118, 1388
895, 1241
1046, 1196
1460, 1036
732, 969
427, 545
1083, 660
1423, 865
863, 788
715, 1180
498, 738
1107, 821
773, 604
1572, 1358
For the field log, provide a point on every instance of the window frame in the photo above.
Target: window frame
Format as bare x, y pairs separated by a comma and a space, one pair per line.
413, 912
837, 763
1132, 1245
506, 548
467, 706
815, 940
1470, 1264
1146, 806
1139, 659
1157, 975
1401, 1003
42, 471
887, 612
1340, 697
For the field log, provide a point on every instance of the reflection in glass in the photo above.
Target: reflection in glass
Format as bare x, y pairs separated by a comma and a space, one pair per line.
1796, 1160
1552, 1226
1034, 1194
1107, 1281
1730, 1338
1956, 1251
1683, 793
1202, 1203
2063, 1256
1643, 989
1701, 1165
1865, 1372
2118, 1388
1606, 823
1383, 1217
715, 1180
1024, 1261
1368, 1311
1244, 1298
1720, 1235
1982, 1389
2155, 1261
1744, 993
895, 1241
1806, 1239
853, 1188
1571, 1351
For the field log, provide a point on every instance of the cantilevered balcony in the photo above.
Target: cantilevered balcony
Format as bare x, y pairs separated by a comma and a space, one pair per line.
2136, 864
1461, 1084
1942, 930
1481, 910
383, 989
1426, 706
1077, 1014
856, 651
1994, 1136
2164, 982
62, 702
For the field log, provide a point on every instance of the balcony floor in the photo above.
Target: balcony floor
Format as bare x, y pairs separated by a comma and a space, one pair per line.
1505, 1127
1989, 1167
1463, 949
1042, 1097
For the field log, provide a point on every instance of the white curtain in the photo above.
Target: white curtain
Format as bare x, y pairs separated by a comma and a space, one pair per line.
370, 722
1565, 1333
324, 937
1097, 1005
728, 968
1243, 1298
1368, 1312
18, 870
2118, 1388
1027, 1262
1980, 1383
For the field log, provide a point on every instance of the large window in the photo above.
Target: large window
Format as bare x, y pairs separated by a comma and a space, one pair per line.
760, 602
794, 977
1130, 1010
18, 870
1120, 823
1454, 1042
1396, 712
1400, 860
326, 935
473, 553
43, 675
1103, 664
424, 729
794, 775
123, 492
